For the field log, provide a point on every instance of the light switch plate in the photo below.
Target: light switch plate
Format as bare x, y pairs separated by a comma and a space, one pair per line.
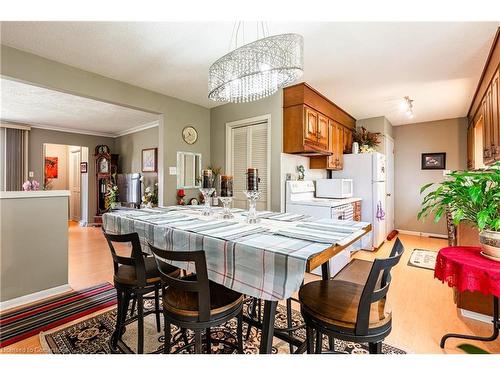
172, 171
446, 172
31, 174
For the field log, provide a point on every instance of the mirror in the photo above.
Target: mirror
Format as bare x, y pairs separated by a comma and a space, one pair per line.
188, 170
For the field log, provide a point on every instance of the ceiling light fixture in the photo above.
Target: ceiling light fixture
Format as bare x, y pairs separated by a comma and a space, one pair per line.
258, 69
407, 106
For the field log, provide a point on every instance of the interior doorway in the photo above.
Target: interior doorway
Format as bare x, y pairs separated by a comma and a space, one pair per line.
62, 171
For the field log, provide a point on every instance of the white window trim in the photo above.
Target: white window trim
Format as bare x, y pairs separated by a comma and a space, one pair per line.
248, 122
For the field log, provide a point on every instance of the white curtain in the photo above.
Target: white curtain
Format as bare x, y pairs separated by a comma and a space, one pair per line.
14, 156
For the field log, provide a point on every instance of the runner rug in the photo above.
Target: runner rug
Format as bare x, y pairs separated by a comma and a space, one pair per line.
18, 324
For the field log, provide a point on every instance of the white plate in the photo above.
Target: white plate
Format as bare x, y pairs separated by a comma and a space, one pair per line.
490, 256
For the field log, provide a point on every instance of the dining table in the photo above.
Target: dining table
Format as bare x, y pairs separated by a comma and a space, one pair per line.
266, 260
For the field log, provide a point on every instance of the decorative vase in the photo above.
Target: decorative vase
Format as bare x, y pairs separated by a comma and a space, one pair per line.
355, 147
490, 242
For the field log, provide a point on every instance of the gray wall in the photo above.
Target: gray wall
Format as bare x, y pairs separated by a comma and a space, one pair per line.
33, 245
411, 141
130, 148
176, 114
37, 137
272, 105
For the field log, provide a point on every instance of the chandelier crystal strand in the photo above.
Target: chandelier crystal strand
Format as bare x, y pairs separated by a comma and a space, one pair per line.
257, 70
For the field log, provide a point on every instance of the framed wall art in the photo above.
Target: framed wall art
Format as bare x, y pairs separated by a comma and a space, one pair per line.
149, 159
435, 160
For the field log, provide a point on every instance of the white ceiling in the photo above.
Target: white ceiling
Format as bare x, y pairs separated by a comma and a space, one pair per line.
38, 106
366, 68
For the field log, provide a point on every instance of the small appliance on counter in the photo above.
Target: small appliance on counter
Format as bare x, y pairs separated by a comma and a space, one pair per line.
334, 188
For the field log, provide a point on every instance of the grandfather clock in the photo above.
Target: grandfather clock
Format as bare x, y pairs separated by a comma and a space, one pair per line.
106, 166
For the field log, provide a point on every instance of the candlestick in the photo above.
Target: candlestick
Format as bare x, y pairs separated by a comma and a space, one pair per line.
252, 196
206, 179
253, 179
226, 186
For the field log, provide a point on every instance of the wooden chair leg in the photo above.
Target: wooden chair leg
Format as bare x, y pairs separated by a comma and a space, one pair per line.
119, 312
197, 342
310, 340
157, 308
289, 321
134, 303
140, 324
319, 342
375, 347
239, 332
208, 338
168, 336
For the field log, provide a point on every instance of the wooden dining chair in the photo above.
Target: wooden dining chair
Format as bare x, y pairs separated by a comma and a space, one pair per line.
193, 302
348, 310
135, 276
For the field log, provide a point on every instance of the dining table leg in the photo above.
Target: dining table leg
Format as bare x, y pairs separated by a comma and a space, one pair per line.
494, 335
266, 340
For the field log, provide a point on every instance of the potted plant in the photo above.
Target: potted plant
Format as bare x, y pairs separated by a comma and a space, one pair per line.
367, 140
472, 196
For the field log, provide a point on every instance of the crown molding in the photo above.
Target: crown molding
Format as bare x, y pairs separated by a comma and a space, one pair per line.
136, 129
27, 125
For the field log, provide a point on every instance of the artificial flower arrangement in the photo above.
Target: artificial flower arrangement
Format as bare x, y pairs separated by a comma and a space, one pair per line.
367, 140
150, 197
111, 197
32, 185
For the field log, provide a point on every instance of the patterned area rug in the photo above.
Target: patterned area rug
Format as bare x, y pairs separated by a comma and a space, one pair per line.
92, 336
422, 258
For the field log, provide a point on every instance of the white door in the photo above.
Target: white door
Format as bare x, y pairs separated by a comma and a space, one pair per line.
249, 149
74, 185
389, 186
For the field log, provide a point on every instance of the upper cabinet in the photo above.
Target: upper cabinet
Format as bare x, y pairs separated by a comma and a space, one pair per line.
315, 126
483, 135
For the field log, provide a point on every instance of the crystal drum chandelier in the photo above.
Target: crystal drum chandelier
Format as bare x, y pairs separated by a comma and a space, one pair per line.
257, 69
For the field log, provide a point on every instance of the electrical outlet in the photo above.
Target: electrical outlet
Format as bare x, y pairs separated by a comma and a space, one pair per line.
31, 174
172, 171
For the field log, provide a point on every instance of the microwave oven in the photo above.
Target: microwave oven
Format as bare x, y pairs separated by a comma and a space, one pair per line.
334, 188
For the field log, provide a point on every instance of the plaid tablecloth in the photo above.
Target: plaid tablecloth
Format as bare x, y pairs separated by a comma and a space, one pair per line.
265, 260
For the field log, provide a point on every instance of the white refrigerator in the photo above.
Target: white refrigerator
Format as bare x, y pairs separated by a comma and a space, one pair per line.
368, 172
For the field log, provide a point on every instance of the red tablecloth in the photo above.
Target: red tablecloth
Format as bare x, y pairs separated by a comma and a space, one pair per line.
464, 268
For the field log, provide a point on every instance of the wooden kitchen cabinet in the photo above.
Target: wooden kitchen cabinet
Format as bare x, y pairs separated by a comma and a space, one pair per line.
347, 137
307, 129
483, 135
335, 147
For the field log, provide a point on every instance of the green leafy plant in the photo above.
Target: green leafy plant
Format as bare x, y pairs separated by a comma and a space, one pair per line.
472, 196
366, 138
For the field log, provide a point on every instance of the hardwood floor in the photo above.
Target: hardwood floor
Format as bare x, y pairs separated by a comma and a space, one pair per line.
423, 308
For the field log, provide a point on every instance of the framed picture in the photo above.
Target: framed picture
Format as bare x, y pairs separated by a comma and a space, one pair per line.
149, 159
435, 160
83, 167
51, 166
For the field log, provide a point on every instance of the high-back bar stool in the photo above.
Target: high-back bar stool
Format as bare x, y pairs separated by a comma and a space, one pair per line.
193, 302
134, 277
350, 310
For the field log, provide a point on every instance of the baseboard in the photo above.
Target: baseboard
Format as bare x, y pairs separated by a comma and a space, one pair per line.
422, 234
476, 316
33, 297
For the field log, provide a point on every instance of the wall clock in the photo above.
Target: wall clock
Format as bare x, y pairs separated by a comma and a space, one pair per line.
190, 135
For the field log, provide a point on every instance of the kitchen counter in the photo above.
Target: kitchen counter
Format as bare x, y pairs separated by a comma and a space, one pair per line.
327, 201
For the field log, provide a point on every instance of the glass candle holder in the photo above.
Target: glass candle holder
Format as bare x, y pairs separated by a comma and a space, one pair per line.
207, 192
226, 203
252, 196
253, 179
